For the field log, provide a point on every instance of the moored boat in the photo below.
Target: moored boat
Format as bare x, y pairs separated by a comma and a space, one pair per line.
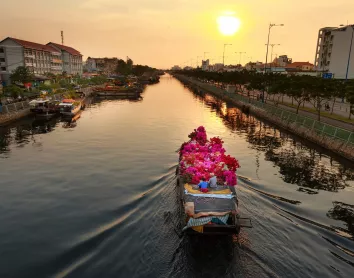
44, 107
210, 207
70, 107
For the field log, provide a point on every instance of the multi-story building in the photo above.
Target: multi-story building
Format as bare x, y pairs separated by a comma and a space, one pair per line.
333, 51
205, 65
72, 58
37, 57
282, 61
105, 65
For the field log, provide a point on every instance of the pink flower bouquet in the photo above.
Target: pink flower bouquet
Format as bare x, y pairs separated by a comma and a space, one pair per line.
200, 157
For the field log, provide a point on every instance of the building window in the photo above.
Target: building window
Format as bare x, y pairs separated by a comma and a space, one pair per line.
3, 68
2, 59
1, 50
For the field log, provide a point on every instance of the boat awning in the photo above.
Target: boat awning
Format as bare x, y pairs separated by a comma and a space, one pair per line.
35, 101
67, 100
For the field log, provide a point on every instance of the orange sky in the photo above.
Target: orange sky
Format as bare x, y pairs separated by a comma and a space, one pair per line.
163, 33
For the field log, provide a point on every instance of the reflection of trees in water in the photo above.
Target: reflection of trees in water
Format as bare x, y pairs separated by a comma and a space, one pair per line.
305, 169
343, 212
23, 132
297, 163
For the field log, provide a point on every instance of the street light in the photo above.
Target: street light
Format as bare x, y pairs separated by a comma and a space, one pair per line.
271, 55
240, 56
270, 27
223, 55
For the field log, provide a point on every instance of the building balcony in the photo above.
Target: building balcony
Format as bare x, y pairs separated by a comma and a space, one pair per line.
57, 61
29, 55
56, 67
29, 64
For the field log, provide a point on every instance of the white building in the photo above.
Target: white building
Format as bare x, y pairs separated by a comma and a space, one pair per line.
332, 51
72, 59
205, 65
39, 58
218, 67
282, 61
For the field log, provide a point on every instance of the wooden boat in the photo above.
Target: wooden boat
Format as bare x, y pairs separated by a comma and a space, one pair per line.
70, 107
214, 210
130, 91
44, 107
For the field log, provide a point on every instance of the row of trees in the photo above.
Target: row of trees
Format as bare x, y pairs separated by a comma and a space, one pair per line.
315, 90
127, 68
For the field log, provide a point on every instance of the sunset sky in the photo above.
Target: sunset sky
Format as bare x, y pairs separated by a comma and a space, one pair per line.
163, 33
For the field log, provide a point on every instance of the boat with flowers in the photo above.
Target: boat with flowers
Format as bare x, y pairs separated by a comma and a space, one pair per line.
214, 209
70, 107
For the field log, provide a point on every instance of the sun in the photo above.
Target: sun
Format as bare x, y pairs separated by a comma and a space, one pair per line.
228, 24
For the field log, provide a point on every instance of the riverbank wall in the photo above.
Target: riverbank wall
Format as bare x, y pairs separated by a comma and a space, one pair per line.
335, 139
18, 110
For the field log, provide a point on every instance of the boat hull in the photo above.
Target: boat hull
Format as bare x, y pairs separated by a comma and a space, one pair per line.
72, 113
209, 229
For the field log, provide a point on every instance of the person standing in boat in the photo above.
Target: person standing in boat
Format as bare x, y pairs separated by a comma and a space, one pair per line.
203, 185
213, 181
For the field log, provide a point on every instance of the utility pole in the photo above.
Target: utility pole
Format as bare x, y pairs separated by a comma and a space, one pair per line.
62, 37
223, 56
270, 27
240, 56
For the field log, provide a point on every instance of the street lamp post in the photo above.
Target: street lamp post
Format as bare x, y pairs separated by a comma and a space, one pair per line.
271, 54
240, 56
270, 27
265, 65
223, 56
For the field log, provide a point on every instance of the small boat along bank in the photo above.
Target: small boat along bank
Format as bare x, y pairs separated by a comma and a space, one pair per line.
114, 90
46, 107
70, 107
206, 181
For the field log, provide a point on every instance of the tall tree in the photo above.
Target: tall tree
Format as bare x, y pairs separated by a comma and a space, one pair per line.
350, 98
21, 75
321, 91
299, 90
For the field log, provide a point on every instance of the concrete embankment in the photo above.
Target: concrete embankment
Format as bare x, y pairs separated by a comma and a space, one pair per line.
308, 129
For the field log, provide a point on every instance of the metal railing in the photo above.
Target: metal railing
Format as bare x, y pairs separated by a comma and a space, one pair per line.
290, 117
14, 107
287, 116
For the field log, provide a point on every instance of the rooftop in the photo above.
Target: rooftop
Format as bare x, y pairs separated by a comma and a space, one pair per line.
33, 45
299, 64
68, 49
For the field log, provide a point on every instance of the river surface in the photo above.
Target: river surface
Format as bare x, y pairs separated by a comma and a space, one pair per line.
97, 197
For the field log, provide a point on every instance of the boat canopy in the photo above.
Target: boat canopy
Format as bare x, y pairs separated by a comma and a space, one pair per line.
65, 104
68, 100
38, 101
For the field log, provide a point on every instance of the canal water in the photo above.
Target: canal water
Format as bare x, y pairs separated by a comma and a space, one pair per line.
97, 197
